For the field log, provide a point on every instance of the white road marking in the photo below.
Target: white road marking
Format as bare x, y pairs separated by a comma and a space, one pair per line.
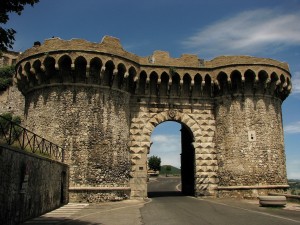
109, 210
177, 187
61, 213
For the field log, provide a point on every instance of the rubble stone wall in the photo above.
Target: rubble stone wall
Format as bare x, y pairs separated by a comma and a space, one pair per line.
30, 185
92, 125
249, 142
12, 101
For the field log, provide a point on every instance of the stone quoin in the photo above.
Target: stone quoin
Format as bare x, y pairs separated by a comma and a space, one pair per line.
102, 103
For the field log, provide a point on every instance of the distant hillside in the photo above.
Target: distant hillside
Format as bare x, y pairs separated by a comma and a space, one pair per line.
294, 180
294, 186
174, 170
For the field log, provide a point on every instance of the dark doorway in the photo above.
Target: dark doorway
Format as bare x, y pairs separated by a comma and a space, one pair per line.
187, 162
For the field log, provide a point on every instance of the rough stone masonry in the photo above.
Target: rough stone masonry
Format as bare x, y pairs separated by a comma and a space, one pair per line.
101, 103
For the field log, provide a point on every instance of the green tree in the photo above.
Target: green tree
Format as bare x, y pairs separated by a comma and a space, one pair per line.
7, 35
4, 122
5, 125
6, 75
154, 163
168, 169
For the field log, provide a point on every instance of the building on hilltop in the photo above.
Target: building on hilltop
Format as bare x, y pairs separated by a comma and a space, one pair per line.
11, 100
101, 103
8, 58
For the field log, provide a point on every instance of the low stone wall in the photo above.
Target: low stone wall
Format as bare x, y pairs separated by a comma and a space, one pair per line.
98, 194
250, 192
30, 185
289, 198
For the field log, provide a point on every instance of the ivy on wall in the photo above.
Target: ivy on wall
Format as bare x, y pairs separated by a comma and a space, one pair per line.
11, 117
6, 75
7, 129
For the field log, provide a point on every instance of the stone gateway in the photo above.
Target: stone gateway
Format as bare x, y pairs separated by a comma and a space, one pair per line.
102, 103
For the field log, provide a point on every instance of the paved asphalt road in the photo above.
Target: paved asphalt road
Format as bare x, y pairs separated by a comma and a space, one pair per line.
167, 206
164, 186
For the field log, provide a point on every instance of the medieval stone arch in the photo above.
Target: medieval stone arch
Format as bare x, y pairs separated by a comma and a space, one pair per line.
205, 164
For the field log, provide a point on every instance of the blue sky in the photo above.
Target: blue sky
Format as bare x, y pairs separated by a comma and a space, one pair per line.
263, 28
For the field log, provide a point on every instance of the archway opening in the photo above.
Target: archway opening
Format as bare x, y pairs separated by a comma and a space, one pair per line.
172, 142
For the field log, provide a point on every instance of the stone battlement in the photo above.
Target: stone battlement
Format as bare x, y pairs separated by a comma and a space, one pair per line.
108, 64
112, 46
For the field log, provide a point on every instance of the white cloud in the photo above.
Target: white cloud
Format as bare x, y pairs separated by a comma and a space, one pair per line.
166, 143
296, 83
168, 148
247, 33
162, 138
293, 169
292, 128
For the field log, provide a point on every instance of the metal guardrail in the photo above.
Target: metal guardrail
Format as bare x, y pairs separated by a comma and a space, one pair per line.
17, 136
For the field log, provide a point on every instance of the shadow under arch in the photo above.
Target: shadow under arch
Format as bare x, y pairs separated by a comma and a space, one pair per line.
190, 133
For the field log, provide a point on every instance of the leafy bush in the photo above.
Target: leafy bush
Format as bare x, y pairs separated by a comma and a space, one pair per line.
5, 124
9, 116
6, 75
294, 186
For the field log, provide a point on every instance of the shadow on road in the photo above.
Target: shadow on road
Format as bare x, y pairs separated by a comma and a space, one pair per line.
155, 194
56, 221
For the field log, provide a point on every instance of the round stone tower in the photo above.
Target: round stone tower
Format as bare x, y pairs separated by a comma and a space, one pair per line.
249, 133
81, 101
101, 103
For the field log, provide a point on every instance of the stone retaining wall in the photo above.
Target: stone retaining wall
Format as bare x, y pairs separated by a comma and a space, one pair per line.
30, 185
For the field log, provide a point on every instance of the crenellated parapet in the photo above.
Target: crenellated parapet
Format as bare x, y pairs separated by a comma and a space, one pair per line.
254, 80
107, 64
73, 67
